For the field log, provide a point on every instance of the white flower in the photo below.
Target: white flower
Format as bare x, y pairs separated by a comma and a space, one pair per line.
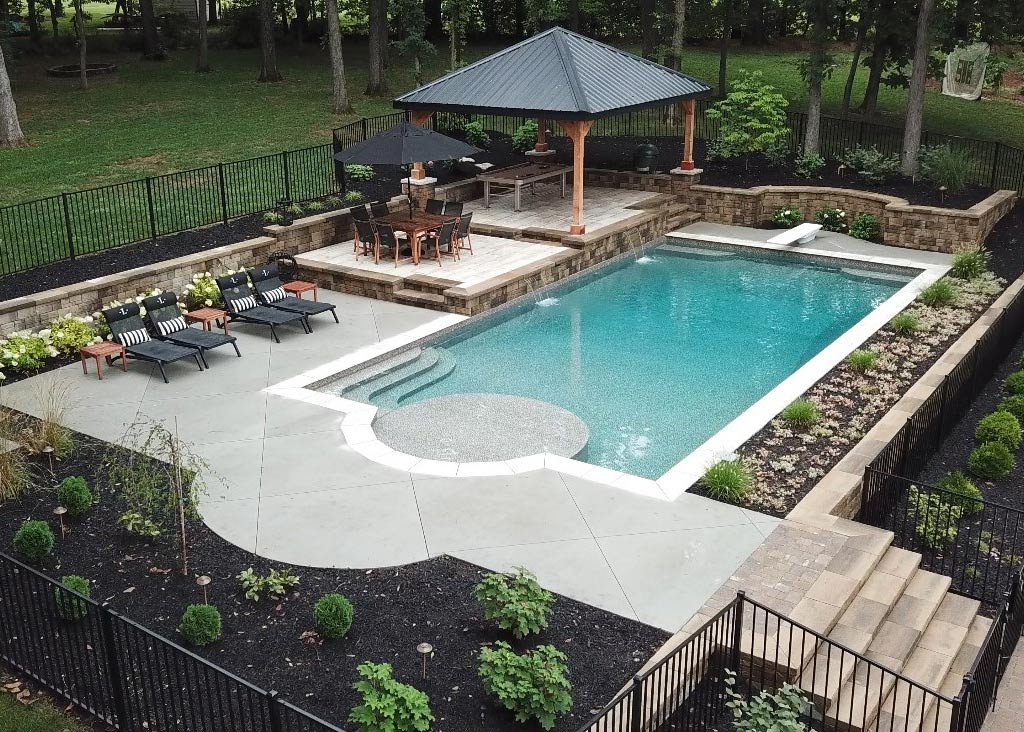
44, 333
209, 303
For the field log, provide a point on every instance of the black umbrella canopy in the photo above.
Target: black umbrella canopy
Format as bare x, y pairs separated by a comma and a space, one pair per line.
405, 144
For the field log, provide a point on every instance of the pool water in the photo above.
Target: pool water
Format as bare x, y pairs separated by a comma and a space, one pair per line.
657, 353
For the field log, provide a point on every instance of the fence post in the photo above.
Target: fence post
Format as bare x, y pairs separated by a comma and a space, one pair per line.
995, 165
636, 705
939, 433
113, 666
287, 183
149, 207
223, 193
67, 225
274, 708
364, 127
737, 631
958, 719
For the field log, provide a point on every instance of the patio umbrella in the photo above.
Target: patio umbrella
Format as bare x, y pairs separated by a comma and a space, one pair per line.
405, 144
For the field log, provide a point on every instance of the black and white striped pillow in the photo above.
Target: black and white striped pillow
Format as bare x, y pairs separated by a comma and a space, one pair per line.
275, 295
242, 303
134, 337
172, 325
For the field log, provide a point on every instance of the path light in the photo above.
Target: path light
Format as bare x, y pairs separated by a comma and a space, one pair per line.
49, 455
424, 649
59, 513
841, 169
203, 580
942, 193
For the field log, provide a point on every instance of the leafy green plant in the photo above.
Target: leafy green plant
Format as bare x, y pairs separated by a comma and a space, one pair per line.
871, 165
970, 262
801, 413
353, 198
966, 494
944, 167
752, 117
25, 352
203, 291
316, 206
354, 171
1000, 427
389, 705
936, 519
516, 601
727, 480
70, 607
532, 685
200, 624
1014, 405
272, 217
34, 540
275, 584
295, 209
476, 135
69, 335
333, 201
832, 219
73, 493
995, 69
865, 226
1015, 383
135, 523
778, 152
862, 360
785, 218
766, 712
991, 461
941, 293
332, 616
905, 324
809, 164
525, 136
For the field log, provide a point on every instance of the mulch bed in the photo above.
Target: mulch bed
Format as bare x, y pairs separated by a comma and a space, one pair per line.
395, 609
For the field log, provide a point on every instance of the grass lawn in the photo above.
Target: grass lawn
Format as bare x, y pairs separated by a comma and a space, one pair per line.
151, 118
38, 717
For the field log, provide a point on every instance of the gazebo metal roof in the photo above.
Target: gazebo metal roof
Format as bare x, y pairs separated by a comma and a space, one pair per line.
556, 74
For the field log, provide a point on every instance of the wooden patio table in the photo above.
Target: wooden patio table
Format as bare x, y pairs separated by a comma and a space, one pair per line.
415, 227
519, 175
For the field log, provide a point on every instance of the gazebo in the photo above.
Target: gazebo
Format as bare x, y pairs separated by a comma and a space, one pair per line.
561, 76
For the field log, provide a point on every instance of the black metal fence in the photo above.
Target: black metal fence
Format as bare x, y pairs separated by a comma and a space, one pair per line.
687, 688
122, 673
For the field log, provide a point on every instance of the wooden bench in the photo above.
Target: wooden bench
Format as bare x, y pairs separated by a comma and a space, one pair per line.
802, 234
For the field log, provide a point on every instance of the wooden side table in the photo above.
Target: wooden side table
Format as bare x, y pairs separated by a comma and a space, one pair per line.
297, 287
103, 350
207, 317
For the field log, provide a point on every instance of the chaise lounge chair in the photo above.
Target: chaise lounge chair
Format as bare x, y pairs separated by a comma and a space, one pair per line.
129, 330
167, 322
270, 292
241, 305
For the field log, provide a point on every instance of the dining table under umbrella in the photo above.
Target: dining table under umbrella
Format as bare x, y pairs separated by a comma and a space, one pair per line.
405, 145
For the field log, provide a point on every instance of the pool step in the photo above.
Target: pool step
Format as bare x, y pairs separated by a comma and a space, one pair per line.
343, 385
387, 389
365, 389
420, 298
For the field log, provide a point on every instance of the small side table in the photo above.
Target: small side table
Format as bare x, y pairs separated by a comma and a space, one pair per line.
207, 316
297, 287
104, 350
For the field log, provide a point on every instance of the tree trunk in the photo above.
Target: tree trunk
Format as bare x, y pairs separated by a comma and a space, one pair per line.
10, 129
723, 49
675, 59
877, 65
340, 97
649, 29
54, 19
33, 22
151, 48
203, 51
754, 32
83, 74
214, 18
862, 36
435, 23
574, 15
815, 74
915, 95
268, 70
378, 46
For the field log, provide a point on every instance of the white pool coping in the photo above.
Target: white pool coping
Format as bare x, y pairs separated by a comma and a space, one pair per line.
358, 432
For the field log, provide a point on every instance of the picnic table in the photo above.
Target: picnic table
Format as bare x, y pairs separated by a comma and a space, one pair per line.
517, 176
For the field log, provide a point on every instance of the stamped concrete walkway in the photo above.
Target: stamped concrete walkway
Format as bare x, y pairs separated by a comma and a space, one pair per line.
287, 486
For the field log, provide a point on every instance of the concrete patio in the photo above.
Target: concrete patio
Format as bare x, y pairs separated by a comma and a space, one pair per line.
285, 484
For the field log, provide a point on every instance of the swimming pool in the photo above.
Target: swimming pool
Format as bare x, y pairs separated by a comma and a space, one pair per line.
655, 353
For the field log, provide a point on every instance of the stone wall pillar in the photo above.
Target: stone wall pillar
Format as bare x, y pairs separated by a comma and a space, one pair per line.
422, 190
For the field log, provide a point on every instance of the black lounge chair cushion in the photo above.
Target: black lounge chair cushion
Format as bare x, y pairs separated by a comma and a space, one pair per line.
161, 351
268, 286
197, 338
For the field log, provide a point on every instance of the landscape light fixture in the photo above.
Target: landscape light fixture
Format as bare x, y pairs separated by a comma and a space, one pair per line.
49, 455
203, 580
424, 649
942, 193
59, 513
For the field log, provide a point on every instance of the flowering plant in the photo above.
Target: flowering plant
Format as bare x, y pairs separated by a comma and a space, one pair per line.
69, 334
832, 219
203, 292
784, 218
25, 351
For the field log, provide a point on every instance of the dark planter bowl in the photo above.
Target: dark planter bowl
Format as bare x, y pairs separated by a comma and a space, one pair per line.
68, 71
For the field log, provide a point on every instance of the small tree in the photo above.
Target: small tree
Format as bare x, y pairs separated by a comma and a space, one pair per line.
10, 128
411, 24
752, 117
456, 18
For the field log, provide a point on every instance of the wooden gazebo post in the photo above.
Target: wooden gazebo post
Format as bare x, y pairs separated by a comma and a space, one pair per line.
419, 117
688, 108
577, 131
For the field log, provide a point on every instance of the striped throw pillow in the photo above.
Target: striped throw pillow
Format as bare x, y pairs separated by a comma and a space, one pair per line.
134, 337
173, 325
242, 303
275, 295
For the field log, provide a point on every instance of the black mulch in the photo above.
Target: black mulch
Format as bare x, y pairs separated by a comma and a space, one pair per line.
395, 609
1006, 245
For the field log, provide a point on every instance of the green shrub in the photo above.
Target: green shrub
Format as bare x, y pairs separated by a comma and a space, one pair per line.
135, 523
70, 607
905, 324
531, 686
1000, 427
73, 494
942, 166
832, 219
476, 135
203, 291
34, 540
871, 165
782, 711
936, 519
275, 584
727, 480
353, 198
969, 263
316, 206
355, 171
25, 352
516, 601
1014, 405
865, 226
389, 705
200, 624
809, 165
752, 117
70, 335
778, 152
939, 294
272, 217
967, 495
801, 413
525, 136
333, 201
862, 360
332, 615
785, 218
295, 209
1015, 383
991, 461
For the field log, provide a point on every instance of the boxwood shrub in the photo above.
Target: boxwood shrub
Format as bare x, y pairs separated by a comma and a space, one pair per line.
991, 461
332, 615
34, 540
200, 624
70, 607
1000, 427
73, 494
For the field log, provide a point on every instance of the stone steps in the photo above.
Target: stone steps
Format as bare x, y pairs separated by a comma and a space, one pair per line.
940, 716
420, 298
370, 387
